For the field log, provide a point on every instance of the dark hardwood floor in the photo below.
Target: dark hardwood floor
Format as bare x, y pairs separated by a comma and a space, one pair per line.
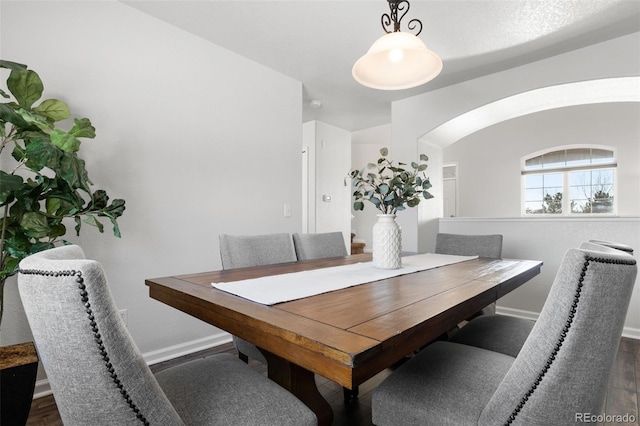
622, 395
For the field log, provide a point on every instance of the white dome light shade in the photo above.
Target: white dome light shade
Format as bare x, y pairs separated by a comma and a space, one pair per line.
397, 61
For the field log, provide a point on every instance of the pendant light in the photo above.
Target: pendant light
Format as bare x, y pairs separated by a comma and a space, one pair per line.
397, 60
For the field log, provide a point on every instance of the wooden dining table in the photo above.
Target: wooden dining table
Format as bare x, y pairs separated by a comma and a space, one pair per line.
346, 335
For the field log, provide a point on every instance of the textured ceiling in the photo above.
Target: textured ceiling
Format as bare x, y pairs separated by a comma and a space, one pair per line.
317, 42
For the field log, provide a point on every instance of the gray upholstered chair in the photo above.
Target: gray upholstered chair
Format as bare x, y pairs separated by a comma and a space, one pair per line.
471, 245
614, 245
506, 334
319, 246
240, 251
562, 369
99, 377
498, 333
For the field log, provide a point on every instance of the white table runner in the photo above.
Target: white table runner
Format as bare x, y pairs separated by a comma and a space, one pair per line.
297, 285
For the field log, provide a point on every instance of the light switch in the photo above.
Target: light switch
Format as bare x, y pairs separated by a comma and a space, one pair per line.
287, 210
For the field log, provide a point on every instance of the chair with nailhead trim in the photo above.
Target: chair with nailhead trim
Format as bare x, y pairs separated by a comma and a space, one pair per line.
99, 377
561, 371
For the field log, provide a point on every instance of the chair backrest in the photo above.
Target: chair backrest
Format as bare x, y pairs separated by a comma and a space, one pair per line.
319, 246
564, 366
97, 374
595, 245
470, 245
240, 251
613, 245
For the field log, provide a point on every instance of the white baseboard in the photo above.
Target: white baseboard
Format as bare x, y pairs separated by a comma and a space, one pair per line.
165, 354
171, 352
630, 332
42, 389
517, 313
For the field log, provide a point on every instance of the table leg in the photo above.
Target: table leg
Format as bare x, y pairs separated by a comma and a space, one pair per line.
300, 382
350, 395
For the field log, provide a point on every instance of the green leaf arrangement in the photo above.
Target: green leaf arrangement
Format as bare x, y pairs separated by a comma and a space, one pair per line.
48, 182
390, 187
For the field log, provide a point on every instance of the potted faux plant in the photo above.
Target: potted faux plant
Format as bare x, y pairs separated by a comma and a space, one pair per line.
390, 188
42, 183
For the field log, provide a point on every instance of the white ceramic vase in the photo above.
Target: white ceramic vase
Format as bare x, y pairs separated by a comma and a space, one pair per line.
387, 242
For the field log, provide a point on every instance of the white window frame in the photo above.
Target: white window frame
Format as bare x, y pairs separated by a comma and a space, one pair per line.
566, 170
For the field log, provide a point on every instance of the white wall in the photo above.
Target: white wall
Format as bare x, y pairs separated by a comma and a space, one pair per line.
489, 160
548, 239
198, 140
365, 148
415, 117
329, 162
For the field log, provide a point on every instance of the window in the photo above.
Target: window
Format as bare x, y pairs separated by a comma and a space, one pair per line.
570, 181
